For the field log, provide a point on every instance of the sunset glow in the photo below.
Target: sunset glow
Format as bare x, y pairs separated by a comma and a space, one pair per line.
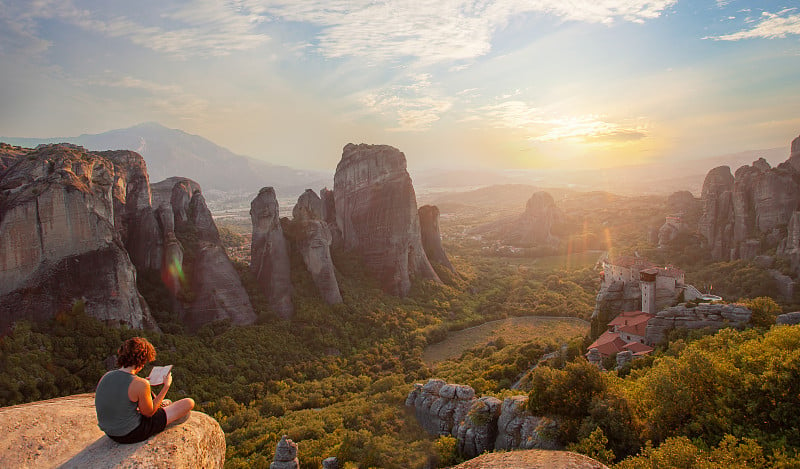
502, 83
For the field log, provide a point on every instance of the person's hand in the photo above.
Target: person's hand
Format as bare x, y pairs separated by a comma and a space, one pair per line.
168, 380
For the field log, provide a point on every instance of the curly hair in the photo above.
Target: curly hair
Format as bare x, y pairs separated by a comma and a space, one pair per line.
136, 352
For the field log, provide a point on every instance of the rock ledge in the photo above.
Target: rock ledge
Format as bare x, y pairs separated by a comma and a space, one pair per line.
63, 433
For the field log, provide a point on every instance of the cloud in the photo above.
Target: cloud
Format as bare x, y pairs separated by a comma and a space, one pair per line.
542, 126
414, 106
435, 31
200, 28
169, 99
771, 26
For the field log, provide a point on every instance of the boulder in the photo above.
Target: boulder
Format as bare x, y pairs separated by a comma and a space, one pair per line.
285, 455
313, 239
58, 239
63, 433
788, 319
269, 253
376, 211
477, 431
431, 237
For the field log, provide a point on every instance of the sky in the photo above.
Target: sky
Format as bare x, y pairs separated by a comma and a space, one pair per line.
516, 84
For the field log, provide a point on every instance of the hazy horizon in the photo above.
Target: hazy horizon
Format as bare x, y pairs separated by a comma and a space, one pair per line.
499, 84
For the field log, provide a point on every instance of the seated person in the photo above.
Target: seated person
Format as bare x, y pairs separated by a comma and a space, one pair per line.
127, 410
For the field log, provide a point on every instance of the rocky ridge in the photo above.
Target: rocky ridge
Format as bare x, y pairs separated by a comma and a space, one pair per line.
63, 433
754, 210
478, 424
59, 242
703, 315
97, 223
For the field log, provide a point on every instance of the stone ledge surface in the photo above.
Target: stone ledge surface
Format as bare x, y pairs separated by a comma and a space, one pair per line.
63, 433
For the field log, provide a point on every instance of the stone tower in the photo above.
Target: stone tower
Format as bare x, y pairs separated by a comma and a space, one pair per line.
647, 283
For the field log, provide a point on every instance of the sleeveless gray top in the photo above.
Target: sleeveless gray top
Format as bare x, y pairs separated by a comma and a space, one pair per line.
116, 414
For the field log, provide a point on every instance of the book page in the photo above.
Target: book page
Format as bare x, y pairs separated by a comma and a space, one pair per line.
158, 374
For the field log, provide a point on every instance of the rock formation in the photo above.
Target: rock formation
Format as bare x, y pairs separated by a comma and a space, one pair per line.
746, 214
478, 424
285, 455
212, 290
269, 254
535, 224
63, 433
376, 211
532, 228
788, 319
532, 458
313, 239
704, 315
518, 429
431, 238
58, 240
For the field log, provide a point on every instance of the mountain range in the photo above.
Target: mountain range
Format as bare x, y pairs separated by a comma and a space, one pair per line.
172, 152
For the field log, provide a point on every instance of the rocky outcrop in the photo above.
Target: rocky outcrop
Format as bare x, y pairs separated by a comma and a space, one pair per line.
535, 225
716, 223
518, 429
329, 216
790, 246
532, 228
431, 237
313, 239
788, 319
63, 433
748, 214
478, 424
713, 316
58, 239
195, 265
670, 230
376, 211
532, 458
285, 455
269, 254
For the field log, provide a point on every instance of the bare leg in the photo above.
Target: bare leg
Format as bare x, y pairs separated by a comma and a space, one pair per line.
179, 409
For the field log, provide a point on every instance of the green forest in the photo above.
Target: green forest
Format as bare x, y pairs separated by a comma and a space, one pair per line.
334, 378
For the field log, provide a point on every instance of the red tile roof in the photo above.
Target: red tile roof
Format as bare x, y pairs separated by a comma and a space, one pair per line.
608, 344
638, 349
632, 322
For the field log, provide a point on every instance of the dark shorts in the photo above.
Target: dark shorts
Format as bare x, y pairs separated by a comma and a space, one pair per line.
148, 427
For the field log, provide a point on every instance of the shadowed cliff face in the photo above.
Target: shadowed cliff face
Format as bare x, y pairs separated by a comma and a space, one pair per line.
213, 289
376, 211
751, 212
313, 239
431, 237
269, 253
58, 239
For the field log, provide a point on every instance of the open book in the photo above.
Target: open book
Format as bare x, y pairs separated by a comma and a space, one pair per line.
158, 374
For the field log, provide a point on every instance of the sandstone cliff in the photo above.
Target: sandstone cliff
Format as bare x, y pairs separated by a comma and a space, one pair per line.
194, 263
58, 239
750, 212
532, 228
63, 433
431, 237
269, 253
313, 239
704, 315
376, 211
479, 424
